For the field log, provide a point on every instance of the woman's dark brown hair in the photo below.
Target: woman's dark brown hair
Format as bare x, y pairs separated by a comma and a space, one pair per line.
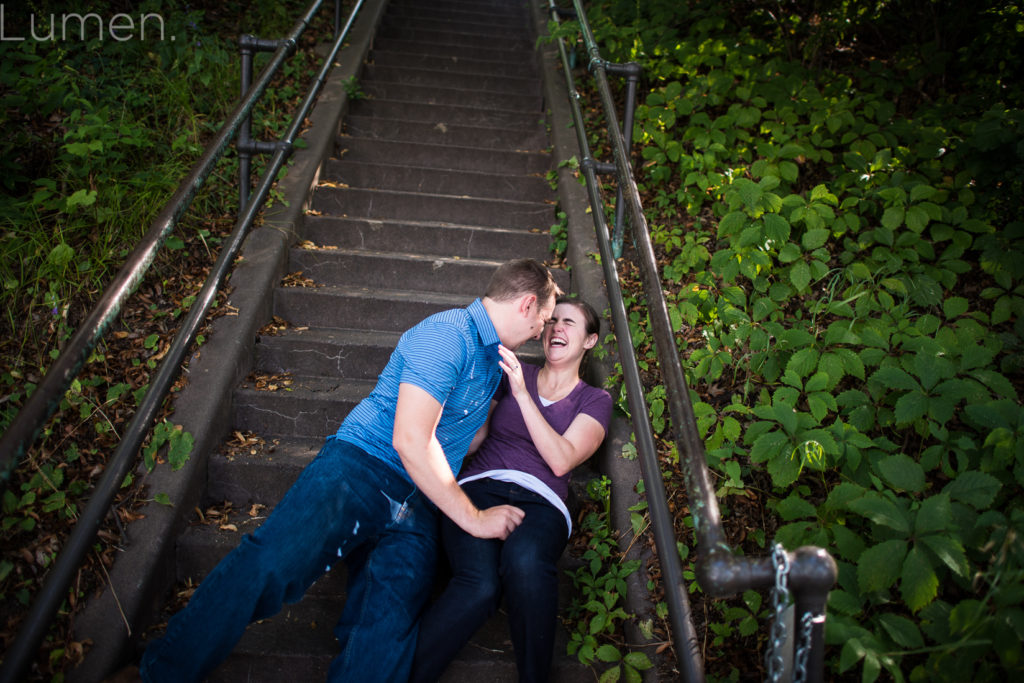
591, 321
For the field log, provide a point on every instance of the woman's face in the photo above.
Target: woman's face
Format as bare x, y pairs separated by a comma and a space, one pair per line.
565, 336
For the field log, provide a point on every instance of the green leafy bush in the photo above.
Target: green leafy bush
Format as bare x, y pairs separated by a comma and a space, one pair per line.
836, 211
596, 613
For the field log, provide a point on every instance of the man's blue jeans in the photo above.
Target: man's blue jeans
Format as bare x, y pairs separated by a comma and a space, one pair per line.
347, 505
522, 569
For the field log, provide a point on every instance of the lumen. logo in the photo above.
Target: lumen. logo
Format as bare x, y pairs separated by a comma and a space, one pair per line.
75, 26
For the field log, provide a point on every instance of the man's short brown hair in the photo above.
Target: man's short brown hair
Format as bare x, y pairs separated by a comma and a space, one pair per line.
522, 276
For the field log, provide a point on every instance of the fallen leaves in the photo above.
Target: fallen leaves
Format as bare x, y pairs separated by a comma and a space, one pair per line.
275, 327
226, 517
247, 443
270, 382
296, 280
312, 246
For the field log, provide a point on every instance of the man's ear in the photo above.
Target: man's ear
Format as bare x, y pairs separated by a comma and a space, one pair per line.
526, 302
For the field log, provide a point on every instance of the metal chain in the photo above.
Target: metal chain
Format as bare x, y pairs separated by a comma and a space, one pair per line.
803, 648
773, 659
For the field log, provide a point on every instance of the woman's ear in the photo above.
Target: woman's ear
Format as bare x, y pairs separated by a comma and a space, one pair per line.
590, 342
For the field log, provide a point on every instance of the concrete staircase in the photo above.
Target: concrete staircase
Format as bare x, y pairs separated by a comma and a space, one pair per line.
439, 177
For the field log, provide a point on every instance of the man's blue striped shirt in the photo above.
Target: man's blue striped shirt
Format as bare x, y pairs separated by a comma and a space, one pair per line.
452, 355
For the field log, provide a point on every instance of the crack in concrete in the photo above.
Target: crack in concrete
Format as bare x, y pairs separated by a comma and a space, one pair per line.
289, 418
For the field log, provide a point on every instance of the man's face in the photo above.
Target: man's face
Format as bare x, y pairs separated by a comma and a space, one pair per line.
537, 316
540, 317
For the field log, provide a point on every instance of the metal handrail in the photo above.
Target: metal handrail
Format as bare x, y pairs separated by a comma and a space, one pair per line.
720, 571
18, 438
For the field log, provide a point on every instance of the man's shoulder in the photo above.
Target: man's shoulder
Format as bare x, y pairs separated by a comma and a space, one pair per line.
448, 326
457, 317
446, 334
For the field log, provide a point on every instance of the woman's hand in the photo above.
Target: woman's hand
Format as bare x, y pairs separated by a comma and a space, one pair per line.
510, 364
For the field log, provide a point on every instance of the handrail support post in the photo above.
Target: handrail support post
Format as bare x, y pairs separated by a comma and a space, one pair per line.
632, 71
248, 46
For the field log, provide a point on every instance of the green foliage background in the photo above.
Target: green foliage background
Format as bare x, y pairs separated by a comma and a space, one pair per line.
835, 191
97, 135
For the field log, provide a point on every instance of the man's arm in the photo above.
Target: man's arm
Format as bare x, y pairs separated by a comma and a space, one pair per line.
416, 417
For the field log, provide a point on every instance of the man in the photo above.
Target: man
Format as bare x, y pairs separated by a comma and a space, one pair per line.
371, 497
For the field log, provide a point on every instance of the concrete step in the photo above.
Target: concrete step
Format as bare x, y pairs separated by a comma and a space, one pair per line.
420, 44
490, 656
523, 188
365, 308
391, 310
261, 657
444, 157
271, 666
341, 353
448, 115
415, 74
461, 21
304, 628
260, 474
441, 133
522, 68
442, 41
392, 270
479, 12
497, 665
461, 96
429, 238
393, 205
309, 407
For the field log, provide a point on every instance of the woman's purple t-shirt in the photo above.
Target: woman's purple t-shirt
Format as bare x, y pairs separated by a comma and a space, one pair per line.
508, 445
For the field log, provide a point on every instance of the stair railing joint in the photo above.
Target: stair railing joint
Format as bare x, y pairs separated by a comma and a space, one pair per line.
599, 167
251, 147
250, 44
632, 70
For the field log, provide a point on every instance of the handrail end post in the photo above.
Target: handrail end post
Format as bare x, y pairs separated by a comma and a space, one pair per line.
814, 573
814, 568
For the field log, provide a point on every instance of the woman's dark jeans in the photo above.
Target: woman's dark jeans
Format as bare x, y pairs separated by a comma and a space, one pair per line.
522, 569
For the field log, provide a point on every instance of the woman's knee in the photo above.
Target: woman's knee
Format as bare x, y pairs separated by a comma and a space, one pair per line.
528, 558
478, 590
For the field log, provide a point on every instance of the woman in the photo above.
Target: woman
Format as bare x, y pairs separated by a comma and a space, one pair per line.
545, 422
